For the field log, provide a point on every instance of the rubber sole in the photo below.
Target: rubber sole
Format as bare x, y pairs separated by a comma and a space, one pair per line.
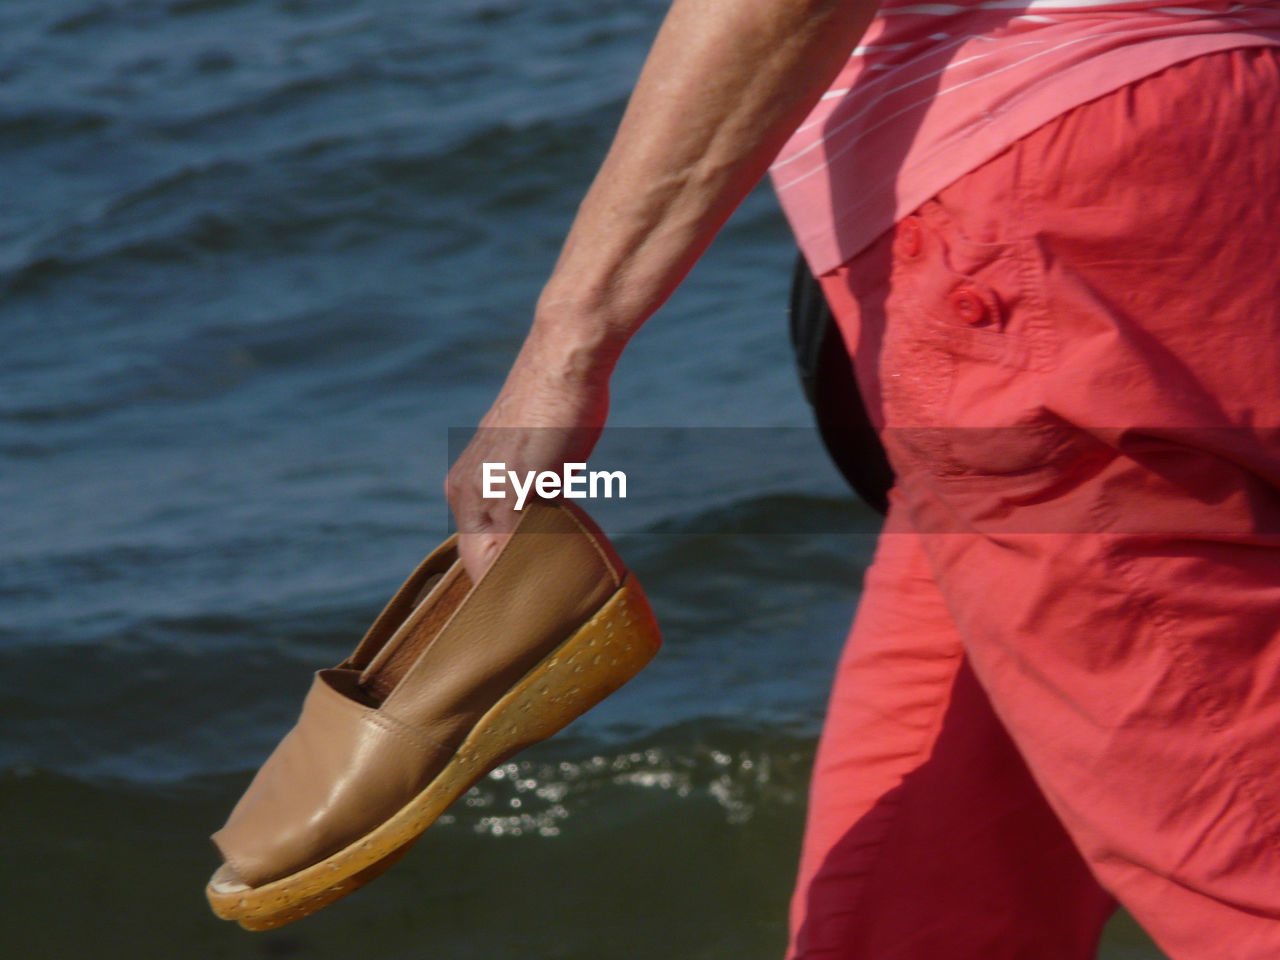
598, 658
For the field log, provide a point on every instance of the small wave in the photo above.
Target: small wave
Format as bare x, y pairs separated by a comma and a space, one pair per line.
736, 771
279, 202
23, 130
283, 97
110, 12
158, 223
773, 514
180, 8
99, 14
209, 361
163, 188
504, 157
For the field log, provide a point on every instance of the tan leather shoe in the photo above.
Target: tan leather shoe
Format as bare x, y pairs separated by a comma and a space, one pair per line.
451, 680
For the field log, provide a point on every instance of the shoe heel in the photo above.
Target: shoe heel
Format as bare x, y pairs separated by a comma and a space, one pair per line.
598, 658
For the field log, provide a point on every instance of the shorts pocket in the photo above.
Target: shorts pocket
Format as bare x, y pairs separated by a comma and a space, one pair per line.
966, 352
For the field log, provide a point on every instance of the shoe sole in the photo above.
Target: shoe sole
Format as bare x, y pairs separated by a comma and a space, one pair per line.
598, 658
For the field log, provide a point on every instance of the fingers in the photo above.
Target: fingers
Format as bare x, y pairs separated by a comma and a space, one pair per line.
477, 551
538, 424
484, 525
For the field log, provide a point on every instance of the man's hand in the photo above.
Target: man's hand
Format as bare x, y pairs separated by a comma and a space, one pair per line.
549, 412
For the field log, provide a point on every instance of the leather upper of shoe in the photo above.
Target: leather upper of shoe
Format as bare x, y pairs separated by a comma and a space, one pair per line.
376, 730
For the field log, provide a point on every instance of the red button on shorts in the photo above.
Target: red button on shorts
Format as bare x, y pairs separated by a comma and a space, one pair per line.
1063, 683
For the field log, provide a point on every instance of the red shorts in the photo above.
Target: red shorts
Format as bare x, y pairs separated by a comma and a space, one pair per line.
1063, 683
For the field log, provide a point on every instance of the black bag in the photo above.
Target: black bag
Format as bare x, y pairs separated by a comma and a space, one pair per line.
826, 373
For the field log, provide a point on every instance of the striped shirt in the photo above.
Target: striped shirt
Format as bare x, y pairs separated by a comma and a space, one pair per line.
937, 89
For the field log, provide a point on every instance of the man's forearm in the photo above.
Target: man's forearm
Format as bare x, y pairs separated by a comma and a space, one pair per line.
725, 84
